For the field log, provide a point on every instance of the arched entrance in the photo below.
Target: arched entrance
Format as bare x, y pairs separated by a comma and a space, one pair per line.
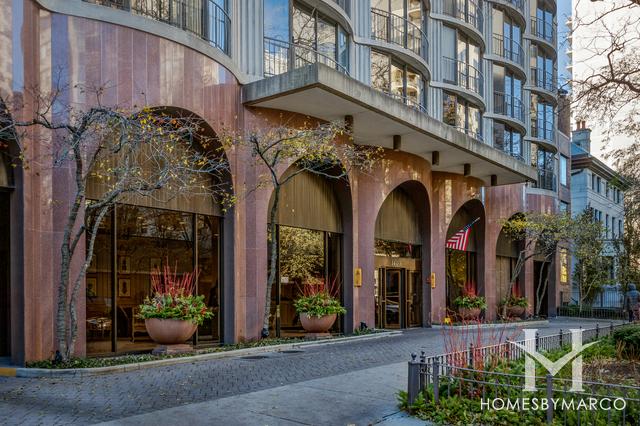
6, 187
464, 253
509, 266
141, 234
400, 256
310, 231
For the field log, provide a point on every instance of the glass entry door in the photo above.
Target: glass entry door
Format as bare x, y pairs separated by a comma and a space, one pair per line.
414, 299
392, 298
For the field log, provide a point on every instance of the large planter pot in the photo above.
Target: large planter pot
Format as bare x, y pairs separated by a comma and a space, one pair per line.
515, 311
313, 324
469, 313
169, 331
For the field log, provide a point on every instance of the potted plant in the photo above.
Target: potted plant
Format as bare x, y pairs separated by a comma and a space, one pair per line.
470, 306
173, 313
318, 307
515, 306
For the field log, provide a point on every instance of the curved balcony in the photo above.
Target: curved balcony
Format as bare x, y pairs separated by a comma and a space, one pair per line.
545, 31
462, 74
281, 56
544, 81
547, 180
468, 11
509, 106
204, 18
511, 51
345, 5
510, 149
407, 100
397, 30
469, 132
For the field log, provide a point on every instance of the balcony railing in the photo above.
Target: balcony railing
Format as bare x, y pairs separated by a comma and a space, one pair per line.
407, 100
543, 79
395, 29
547, 179
514, 151
469, 11
542, 130
204, 18
462, 74
511, 50
508, 105
518, 4
470, 132
344, 4
544, 30
281, 56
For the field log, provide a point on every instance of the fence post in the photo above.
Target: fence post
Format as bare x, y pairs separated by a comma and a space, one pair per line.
436, 381
597, 331
561, 337
611, 328
537, 340
549, 398
471, 355
508, 351
413, 385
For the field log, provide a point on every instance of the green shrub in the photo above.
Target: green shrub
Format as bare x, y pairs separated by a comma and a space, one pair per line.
165, 306
470, 302
319, 304
628, 340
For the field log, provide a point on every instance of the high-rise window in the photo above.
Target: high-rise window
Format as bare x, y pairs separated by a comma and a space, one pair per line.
563, 170
462, 114
397, 79
508, 140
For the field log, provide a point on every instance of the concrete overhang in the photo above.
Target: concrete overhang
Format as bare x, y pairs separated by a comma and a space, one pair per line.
319, 91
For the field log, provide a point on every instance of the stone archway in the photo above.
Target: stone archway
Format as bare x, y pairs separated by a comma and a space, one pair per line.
464, 253
402, 258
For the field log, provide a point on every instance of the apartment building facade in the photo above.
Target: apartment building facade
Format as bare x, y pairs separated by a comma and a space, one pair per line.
461, 94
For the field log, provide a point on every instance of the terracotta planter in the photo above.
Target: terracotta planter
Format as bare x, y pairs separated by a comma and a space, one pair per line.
313, 324
169, 331
469, 313
515, 311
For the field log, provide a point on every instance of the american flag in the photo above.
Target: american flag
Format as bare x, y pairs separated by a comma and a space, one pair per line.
460, 239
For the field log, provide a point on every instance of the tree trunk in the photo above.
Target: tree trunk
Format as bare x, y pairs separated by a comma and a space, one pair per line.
273, 249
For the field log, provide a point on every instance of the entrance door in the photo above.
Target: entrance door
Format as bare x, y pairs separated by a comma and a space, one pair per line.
414, 299
392, 298
5, 294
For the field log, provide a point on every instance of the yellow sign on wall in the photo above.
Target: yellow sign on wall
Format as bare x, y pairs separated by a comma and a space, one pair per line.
433, 280
357, 277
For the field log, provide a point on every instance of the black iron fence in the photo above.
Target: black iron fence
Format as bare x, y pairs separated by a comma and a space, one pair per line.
462, 74
396, 29
464, 373
281, 56
203, 18
591, 312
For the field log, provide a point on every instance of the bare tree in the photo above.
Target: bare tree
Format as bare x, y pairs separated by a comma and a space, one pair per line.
313, 148
121, 153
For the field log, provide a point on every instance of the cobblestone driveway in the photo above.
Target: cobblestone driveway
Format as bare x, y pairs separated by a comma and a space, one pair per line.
94, 399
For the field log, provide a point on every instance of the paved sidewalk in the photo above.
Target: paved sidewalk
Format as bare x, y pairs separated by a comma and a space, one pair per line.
350, 383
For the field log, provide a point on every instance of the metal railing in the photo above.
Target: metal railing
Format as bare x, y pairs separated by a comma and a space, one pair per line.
396, 29
543, 79
469, 11
345, 5
508, 105
509, 149
544, 30
542, 130
547, 179
281, 56
425, 371
407, 100
469, 132
518, 4
511, 51
462, 74
203, 18
591, 312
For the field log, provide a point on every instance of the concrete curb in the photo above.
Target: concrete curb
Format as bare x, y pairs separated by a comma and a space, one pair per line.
237, 353
495, 325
